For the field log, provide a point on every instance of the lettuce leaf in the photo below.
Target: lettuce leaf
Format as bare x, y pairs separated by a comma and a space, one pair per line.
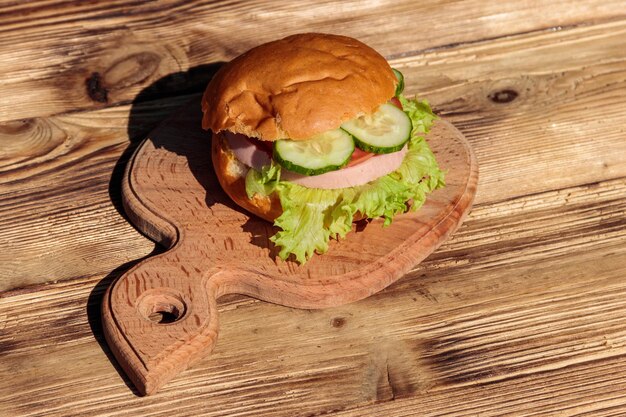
263, 182
311, 217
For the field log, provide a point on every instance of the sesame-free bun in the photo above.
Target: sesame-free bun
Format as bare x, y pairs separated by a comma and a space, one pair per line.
297, 87
231, 174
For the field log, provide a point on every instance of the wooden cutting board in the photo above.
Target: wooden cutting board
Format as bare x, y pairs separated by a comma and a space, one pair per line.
161, 316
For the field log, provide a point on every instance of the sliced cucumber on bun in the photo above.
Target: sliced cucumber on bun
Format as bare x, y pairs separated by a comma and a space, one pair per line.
400, 85
386, 130
322, 153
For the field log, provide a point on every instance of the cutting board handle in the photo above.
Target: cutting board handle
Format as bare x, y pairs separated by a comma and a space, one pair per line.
160, 317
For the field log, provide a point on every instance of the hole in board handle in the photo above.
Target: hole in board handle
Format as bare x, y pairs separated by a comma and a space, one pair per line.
161, 306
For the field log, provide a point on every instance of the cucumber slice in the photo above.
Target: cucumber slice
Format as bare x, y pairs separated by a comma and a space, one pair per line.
384, 131
400, 85
322, 153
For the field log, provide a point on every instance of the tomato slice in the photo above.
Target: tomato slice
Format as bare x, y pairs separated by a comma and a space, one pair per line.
359, 156
396, 102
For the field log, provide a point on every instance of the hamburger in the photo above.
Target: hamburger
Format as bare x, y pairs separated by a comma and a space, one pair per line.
312, 132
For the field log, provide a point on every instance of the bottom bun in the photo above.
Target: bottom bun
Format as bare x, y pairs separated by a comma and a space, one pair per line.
231, 174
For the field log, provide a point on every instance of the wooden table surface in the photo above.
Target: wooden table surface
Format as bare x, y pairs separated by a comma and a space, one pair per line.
522, 312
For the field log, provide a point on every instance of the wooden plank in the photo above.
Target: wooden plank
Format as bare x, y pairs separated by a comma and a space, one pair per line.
56, 172
60, 182
485, 322
552, 100
84, 55
593, 388
57, 189
520, 314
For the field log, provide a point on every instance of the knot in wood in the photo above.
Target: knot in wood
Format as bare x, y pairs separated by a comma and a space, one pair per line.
95, 88
503, 96
338, 322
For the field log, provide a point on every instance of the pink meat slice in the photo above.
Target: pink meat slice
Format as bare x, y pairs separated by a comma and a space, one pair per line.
350, 176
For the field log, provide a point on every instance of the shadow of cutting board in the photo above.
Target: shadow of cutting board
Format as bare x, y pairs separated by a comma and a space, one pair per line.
161, 316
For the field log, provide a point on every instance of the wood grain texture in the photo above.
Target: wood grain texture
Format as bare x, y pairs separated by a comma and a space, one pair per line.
515, 91
214, 248
520, 313
85, 55
61, 167
452, 337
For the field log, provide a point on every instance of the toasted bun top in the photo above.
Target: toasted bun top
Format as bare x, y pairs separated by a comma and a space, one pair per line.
297, 87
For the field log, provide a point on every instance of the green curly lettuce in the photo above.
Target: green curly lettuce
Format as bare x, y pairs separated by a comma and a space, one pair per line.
311, 216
